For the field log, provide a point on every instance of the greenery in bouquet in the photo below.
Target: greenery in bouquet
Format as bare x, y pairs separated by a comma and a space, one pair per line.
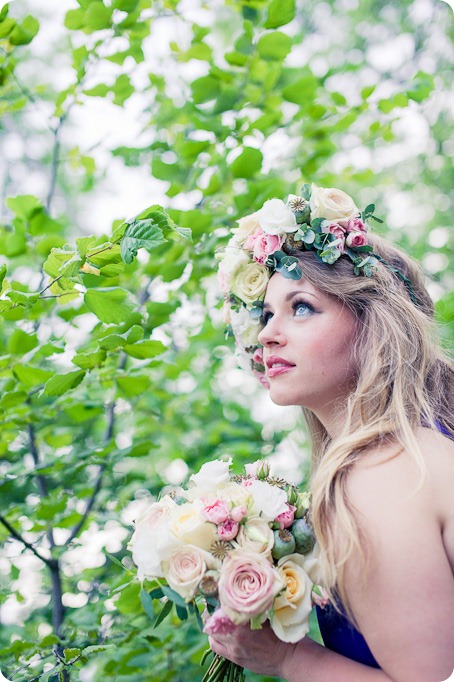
241, 546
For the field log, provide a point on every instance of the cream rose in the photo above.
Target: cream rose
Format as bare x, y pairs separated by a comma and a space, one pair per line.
234, 494
246, 226
230, 261
152, 542
250, 282
276, 218
186, 567
269, 500
290, 621
332, 204
256, 536
190, 528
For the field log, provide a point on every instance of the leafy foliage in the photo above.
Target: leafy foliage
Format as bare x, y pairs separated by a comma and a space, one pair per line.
113, 375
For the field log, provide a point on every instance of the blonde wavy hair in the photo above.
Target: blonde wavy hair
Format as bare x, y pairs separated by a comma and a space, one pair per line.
404, 380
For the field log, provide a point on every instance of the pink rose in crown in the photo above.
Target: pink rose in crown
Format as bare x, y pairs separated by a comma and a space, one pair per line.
286, 519
338, 231
356, 225
227, 530
219, 624
215, 511
356, 239
262, 245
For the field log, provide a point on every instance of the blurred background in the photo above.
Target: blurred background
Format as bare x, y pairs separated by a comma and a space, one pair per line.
206, 109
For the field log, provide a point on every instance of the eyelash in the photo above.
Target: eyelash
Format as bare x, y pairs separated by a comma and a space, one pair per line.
295, 305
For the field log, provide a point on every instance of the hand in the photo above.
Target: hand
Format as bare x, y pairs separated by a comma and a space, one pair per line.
257, 650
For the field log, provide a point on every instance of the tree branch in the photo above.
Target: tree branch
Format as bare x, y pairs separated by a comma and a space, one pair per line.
40, 480
15, 534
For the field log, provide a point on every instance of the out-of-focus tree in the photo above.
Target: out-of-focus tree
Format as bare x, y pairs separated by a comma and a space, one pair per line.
115, 376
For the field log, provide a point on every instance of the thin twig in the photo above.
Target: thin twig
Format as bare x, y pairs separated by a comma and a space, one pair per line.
40, 479
19, 537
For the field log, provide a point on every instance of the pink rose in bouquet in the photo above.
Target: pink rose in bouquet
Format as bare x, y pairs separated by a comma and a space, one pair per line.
247, 586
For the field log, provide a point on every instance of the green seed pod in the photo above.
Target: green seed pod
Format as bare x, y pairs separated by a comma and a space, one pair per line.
208, 586
284, 544
304, 536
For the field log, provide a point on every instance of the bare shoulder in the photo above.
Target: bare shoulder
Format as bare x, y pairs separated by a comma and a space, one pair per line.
404, 601
392, 472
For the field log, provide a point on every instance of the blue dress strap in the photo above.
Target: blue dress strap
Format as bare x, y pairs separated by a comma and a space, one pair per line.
339, 635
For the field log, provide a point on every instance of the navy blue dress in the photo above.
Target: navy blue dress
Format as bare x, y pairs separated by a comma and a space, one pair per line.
338, 633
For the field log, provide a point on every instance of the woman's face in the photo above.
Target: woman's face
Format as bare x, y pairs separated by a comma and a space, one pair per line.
308, 339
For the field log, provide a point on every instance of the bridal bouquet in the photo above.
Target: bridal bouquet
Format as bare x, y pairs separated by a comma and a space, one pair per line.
239, 544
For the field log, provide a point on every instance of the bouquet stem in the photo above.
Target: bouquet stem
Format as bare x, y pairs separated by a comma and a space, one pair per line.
222, 670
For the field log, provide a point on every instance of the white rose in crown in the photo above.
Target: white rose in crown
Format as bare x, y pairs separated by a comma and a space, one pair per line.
229, 263
152, 542
269, 500
250, 283
275, 218
245, 328
291, 609
332, 204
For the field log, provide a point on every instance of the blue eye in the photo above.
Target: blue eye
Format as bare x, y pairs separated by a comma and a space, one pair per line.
302, 309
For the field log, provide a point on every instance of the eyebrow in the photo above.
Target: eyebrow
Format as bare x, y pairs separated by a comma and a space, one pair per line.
290, 295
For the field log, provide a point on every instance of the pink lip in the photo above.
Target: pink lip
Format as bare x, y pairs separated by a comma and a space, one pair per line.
274, 371
276, 365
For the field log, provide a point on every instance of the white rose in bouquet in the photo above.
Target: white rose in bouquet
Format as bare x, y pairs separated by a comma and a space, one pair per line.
255, 536
250, 283
152, 542
269, 500
212, 474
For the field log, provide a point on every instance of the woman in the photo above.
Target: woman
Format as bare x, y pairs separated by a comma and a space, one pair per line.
347, 334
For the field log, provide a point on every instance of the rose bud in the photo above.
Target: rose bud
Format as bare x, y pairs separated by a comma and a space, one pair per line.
286, 519
284, 543
238, 513
302, 504
320, 596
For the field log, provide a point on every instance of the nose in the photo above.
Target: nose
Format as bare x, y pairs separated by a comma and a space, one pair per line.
271, 334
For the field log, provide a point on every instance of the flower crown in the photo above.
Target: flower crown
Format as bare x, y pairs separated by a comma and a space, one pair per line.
323, 220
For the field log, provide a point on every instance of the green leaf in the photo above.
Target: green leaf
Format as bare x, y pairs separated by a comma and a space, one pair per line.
62, 383
75, 19
23, 33
166, 609
110, 304
69, 654
280, 12
274, 46
248, 163
20, 342
145, 234
147, 604
145, 349
205, 89
31, 376
98, 649
98, 16
173, 596
89, 360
